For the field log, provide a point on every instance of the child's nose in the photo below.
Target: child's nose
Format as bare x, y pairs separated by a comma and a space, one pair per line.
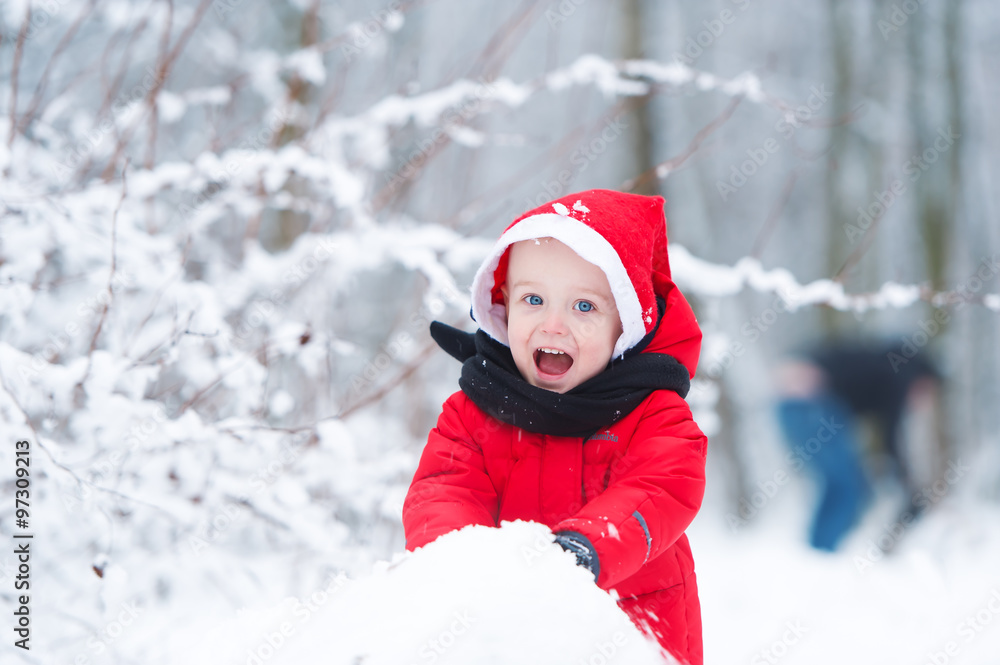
554, 322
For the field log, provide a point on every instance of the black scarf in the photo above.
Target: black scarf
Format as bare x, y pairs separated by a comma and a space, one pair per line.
491, 380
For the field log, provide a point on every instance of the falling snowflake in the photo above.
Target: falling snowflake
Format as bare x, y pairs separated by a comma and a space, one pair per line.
561, 209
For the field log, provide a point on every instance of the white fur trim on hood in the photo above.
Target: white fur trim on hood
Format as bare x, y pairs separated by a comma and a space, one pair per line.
589, 245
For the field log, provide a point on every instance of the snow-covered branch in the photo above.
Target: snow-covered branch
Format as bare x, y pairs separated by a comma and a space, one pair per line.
697, 276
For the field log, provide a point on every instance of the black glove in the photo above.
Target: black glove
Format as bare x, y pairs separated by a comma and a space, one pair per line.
586, 555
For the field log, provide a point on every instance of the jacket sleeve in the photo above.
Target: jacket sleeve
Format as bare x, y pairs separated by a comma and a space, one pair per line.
654, 492
450, 488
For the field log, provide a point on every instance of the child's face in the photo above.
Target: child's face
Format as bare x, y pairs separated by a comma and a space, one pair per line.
558, 301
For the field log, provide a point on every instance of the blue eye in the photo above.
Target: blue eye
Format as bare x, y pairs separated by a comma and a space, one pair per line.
585, 306
534, 300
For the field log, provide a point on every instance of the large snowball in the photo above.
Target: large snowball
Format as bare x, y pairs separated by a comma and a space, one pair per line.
481, 595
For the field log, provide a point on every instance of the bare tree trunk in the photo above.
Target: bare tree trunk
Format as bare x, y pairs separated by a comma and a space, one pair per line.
836, 204
293, 224
934, 198
851, 152
983, 347
938, 189
642, 133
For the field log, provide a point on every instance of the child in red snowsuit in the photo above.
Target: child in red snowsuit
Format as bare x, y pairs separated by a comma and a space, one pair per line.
571, 411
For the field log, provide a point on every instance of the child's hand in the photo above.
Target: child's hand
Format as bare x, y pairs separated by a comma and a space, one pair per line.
577, 543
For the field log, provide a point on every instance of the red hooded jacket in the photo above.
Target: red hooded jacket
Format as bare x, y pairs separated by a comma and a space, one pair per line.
632, 488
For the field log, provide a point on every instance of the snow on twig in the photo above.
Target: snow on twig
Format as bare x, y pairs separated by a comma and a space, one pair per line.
711, 280
621, 78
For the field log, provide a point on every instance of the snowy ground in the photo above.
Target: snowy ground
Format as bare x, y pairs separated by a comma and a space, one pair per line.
501, 594
934, 599
766, 598
174, 597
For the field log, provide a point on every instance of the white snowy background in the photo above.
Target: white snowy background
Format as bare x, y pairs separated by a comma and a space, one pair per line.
226, 224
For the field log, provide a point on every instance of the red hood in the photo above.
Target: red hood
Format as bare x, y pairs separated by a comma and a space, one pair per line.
679, 334
623, 234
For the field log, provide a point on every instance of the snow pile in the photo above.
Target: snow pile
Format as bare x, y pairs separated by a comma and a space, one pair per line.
479, 595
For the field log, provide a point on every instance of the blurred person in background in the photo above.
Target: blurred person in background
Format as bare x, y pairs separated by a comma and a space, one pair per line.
835, 393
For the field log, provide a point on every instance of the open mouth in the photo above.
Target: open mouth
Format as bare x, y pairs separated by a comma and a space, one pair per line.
552, 362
